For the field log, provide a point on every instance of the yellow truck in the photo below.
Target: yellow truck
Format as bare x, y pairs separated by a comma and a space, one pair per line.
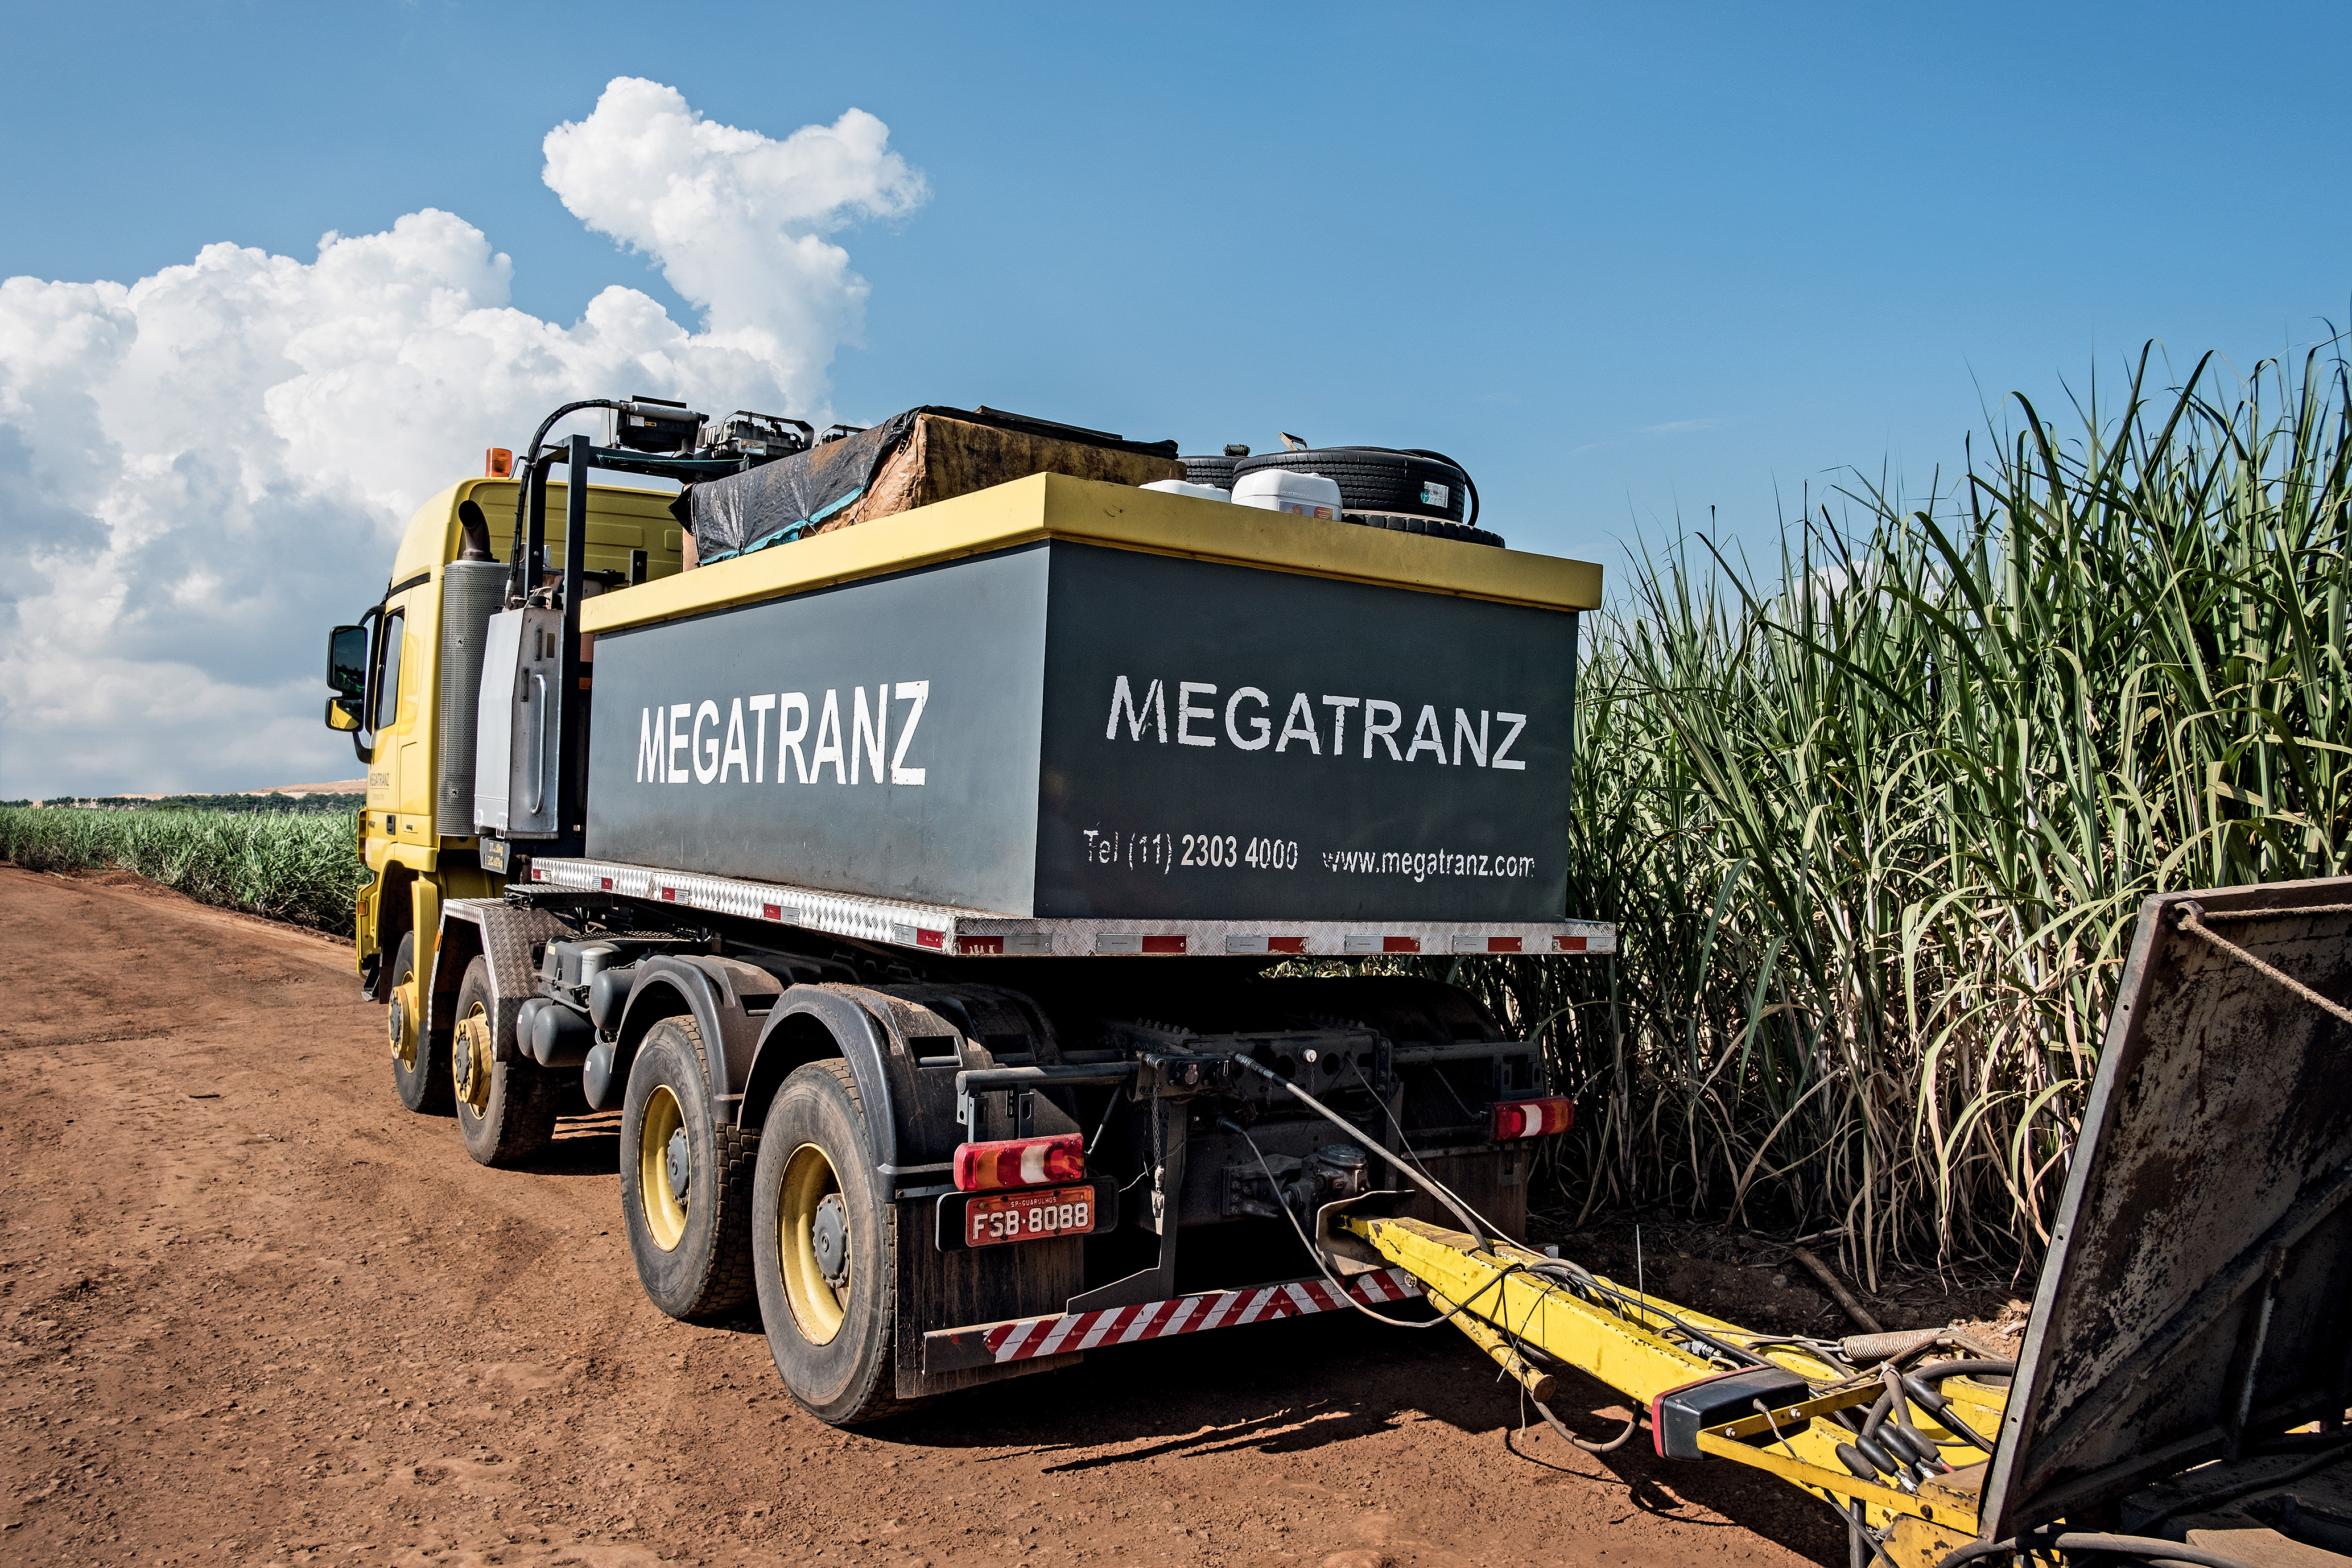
917, 872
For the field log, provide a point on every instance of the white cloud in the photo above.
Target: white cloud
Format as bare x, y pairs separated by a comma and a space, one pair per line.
1677, 427
201, 470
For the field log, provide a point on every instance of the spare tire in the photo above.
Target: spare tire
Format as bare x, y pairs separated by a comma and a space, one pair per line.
1433, 527
1217, 471
1379, 479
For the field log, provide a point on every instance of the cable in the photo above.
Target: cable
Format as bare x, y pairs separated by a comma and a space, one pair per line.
1590, 1446
1580, 1279
1096, 1142
1769, 1420
1403, 1142
2147, 1546
2230, 1494
1316, 1253
1492, 1285
1477, 1231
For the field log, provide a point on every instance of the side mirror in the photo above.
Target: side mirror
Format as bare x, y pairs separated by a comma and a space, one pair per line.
347, 662
343, 713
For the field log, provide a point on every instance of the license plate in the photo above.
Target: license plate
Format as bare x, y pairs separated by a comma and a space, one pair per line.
997, 1219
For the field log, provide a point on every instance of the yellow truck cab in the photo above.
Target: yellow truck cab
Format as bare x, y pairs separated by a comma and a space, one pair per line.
392, 672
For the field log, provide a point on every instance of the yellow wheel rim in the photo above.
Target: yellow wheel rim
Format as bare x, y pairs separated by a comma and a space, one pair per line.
817, 1302
665, 1210
473, 1042
401, 1021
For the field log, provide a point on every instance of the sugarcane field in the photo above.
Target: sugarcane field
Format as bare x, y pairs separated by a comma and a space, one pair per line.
1591, 923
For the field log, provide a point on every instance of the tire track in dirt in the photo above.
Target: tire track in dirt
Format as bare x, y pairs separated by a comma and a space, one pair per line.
252, 1311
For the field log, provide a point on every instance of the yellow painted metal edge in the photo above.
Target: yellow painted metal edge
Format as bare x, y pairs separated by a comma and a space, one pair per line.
1053, 506
1812, 1478
1640, 1364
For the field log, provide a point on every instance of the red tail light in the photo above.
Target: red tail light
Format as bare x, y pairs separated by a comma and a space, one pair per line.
1533, 1118
1020, 1163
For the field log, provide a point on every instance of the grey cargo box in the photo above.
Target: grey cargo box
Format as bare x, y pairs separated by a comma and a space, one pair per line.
1062, 699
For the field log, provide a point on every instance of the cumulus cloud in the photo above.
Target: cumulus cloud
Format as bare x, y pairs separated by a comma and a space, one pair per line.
202, 469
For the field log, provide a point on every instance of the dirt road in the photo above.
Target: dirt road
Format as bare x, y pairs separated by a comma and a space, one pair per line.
252, 1311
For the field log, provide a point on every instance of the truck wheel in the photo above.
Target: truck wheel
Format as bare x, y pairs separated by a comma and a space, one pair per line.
420, 1063
684, 1181
506, 1110
825, 1243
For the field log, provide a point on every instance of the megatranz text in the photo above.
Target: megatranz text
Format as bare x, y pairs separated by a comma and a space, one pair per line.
664, 735
1253, 731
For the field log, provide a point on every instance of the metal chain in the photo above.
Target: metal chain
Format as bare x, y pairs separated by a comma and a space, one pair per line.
2190, 917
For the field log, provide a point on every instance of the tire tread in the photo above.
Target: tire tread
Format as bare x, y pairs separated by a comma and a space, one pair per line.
873, 1406
427, 1091
729, 1287
728, 1283
526, 1098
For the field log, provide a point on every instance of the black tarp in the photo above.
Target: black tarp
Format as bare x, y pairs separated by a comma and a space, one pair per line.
785, 500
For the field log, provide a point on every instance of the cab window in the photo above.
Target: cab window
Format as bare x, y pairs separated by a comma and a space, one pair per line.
387, 681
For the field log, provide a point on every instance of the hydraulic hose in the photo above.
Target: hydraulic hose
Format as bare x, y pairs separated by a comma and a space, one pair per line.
1924, 1456
1921, 1387
522, 491
2153, 1548
2230, 1494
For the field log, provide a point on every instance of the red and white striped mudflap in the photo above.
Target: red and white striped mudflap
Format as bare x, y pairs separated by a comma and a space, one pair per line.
1023, 1339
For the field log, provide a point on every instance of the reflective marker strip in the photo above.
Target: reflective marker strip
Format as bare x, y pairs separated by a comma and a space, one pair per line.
1031, 1337
978, 931
1266, 944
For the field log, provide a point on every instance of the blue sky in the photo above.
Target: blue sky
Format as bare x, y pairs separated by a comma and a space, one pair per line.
1628, 264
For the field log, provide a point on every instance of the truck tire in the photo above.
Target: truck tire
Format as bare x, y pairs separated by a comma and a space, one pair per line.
686, 1181
420, 1060
825, 1249
1433, 527
1217, 471
1380, 479
506, 1110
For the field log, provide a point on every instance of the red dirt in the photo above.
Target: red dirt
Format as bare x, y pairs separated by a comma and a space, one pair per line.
252, 1311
